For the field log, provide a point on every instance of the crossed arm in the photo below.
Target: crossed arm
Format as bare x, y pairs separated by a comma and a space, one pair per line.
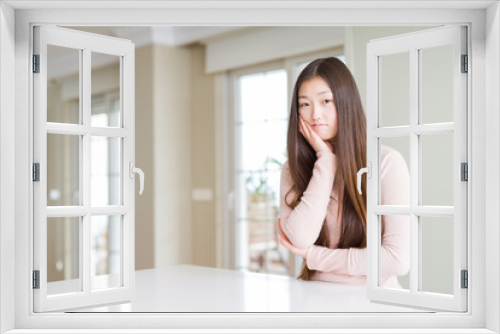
300, 227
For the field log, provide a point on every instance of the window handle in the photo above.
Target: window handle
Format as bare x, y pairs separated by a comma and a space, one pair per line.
367, 170
138, 171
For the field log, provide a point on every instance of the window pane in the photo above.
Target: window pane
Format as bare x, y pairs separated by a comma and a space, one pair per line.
395, 89
263, 145
105, 259
105, 78
276, 145
260, 194
436, 239
265, 254
437, 169
254, 193
395, 259
437, 84
63, 170
105, 170
273, 184
263, 96
63, 85
63, 255
258, 212
253, 153
105, 111
387, 146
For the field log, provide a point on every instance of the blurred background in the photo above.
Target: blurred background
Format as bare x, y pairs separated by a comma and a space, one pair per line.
211, 114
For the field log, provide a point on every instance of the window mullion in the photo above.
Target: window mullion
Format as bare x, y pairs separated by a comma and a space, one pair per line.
86, 112
109, 132
80, 211
414, 171
66, 129
76, 129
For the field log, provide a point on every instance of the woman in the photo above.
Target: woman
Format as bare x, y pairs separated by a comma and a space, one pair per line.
323, 217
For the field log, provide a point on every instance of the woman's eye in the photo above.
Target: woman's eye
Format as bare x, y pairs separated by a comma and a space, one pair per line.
303, 105
328, 101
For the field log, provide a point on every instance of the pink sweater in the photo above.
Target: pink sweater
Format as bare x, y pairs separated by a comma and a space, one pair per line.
302, 225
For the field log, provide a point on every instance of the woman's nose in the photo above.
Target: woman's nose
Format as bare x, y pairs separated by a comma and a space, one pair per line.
316, 113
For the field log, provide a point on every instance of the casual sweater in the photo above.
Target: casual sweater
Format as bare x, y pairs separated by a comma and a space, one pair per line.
302, 225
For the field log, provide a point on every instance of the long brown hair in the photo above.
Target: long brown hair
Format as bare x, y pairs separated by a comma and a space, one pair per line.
349, 146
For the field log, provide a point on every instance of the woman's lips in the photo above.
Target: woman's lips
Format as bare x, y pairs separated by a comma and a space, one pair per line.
318, 125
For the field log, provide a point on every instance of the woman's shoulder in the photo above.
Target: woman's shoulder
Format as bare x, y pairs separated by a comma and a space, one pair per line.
389, 154
286, 177
285, 166
391, 158
285, 169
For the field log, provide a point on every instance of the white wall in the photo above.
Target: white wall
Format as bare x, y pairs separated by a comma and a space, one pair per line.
492, 186
7, 169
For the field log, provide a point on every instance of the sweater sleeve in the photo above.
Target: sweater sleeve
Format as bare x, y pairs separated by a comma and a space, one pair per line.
302, 225
395, 248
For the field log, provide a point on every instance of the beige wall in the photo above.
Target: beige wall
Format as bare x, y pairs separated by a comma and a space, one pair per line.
258, 45
175, 149
144, 204
203, 119
175, 142
172, 100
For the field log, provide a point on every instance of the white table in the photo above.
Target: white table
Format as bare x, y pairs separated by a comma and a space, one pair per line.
187, 288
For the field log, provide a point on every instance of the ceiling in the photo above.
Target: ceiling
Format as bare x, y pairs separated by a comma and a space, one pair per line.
166, 35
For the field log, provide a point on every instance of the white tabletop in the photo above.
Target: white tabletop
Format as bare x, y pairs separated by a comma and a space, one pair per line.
189, 289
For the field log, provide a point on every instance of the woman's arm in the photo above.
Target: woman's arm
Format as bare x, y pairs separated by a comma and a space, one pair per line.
302, 225
395, 248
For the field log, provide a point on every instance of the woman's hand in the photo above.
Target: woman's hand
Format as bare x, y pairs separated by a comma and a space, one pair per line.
312, 137
283, 239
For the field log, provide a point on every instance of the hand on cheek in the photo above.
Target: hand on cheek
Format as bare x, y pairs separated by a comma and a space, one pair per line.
312, 137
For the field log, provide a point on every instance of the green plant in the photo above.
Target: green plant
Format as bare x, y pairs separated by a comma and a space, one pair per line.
257, 185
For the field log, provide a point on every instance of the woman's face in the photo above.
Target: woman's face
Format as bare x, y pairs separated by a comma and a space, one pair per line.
317, 108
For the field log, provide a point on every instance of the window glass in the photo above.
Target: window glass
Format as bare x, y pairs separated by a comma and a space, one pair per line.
394, 93
63, 255
105, 258
63, 170
63, 84
105, 170
436, 267
437, 84
437, 169
105, 78
261, 153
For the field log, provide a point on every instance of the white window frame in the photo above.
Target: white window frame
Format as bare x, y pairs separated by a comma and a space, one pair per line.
484, 308
86, 44
413, 43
